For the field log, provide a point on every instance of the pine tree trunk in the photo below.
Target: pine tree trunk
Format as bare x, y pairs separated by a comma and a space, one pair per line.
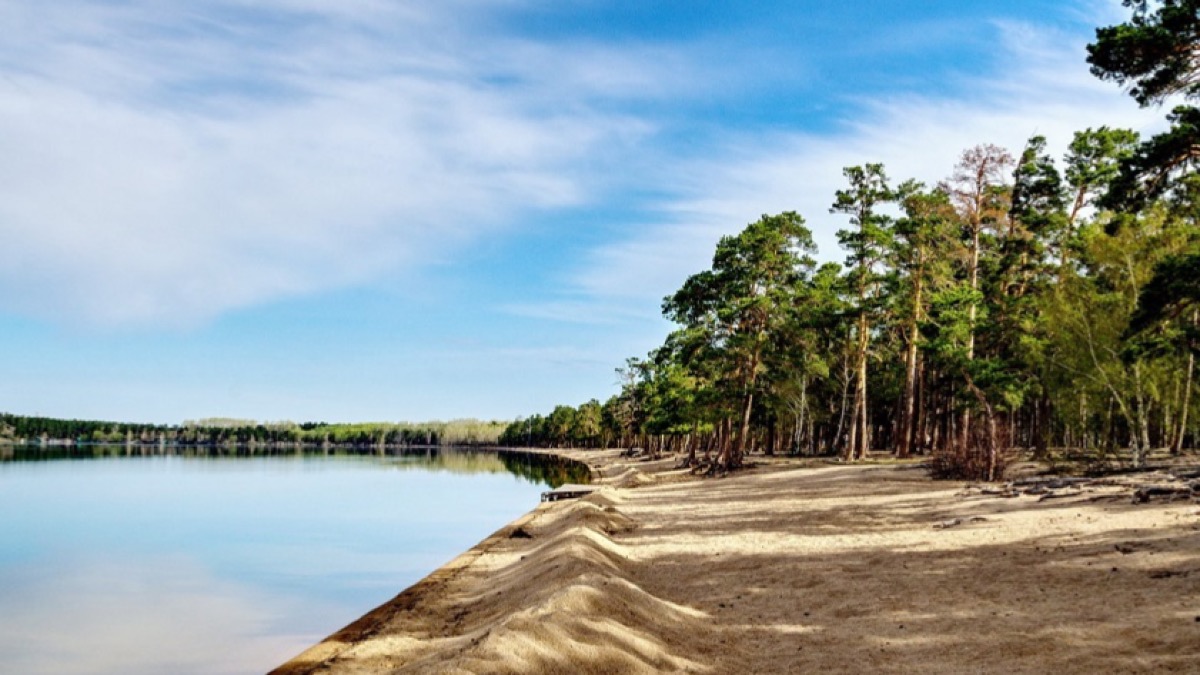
859, 431
972, 313
744, 432
920, 427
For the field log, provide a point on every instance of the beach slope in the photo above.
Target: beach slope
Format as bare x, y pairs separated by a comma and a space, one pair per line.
796, 566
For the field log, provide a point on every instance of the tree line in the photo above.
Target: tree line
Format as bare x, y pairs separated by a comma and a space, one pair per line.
1024, 301
225, 432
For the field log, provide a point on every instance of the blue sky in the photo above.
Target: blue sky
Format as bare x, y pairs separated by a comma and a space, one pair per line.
374, 210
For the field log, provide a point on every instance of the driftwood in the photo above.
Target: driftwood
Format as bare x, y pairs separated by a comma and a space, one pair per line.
955, 522
1171, 492
999, 492
1060, 495
1050, 482
1185, 472
1169, 483
1167, 574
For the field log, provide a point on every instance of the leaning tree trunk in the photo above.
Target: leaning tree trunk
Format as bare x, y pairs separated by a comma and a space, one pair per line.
800, 416
739, 448
837, 434
1187, 402
1142, 448
1177, 447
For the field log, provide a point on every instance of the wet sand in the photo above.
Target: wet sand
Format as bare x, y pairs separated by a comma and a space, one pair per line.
802, 566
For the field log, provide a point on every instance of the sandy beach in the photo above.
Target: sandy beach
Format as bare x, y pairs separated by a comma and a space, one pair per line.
806, 566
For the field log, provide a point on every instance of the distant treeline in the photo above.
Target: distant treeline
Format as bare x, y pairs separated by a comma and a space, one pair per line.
47, 430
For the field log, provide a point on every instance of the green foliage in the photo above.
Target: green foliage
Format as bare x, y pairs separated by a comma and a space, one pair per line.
1155, 53
731, 315
1160, 165
954, 312
867, 243
1094, 161
1172, 292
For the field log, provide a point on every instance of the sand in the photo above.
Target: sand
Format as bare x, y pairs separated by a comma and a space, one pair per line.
801, 566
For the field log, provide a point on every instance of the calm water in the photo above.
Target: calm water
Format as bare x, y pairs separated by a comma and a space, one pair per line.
225, 565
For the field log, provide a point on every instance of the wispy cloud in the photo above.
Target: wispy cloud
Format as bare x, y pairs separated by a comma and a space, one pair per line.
1039, 85
164, 164
583, 311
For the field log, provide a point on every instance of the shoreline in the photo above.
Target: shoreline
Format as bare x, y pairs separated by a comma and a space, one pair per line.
312, 659
798, 565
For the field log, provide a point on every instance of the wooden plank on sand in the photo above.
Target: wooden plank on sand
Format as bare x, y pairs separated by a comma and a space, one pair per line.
568, 491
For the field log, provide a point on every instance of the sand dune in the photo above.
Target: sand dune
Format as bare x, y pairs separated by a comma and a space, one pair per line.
802, 567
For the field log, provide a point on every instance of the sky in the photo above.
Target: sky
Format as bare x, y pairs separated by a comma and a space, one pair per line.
385, 210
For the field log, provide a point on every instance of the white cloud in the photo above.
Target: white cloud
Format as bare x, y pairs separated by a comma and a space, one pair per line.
163, 165
1043, 88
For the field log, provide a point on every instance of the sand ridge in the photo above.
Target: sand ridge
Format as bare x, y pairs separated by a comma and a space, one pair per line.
551, 592
797, 566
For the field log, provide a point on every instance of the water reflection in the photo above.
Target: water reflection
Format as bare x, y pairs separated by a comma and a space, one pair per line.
152, 559
536, 468
152, 615
550, 471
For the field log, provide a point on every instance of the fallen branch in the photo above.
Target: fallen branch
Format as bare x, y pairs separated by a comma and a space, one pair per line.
955, 522
1171, 492
1060, 495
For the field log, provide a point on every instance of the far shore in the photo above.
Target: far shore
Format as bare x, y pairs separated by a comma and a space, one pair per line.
800, 565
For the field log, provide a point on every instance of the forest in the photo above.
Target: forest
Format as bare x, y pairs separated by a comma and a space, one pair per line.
1024, 303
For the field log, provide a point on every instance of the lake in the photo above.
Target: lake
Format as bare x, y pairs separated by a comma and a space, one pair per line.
190, 562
